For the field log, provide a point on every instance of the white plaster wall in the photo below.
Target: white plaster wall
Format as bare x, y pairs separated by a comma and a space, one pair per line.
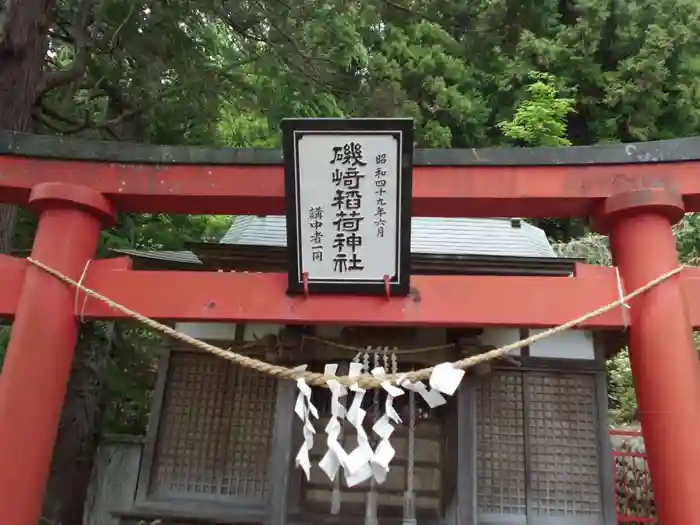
209, 331
226, 331
572, 344
500, 337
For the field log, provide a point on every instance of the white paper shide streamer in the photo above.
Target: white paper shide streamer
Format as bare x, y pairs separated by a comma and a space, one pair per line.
357, 468
335, 456
303, 409
432, 398
446, 378
383, 427
364, 462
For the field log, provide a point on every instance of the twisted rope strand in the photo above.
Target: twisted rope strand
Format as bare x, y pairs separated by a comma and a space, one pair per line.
364, 381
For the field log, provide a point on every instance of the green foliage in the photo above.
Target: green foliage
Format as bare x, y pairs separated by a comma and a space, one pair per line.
159, 231
541, 119
688, 239
129, 378
246, 131
204, 72
592, 248
622, 402
4, 339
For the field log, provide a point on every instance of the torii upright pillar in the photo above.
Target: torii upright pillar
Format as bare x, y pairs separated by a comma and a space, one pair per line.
664, 362
44, 334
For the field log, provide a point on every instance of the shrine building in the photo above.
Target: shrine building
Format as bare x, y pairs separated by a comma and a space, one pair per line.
219, 447
367, 345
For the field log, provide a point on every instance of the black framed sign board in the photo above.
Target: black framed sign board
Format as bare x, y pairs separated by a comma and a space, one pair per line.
348, 187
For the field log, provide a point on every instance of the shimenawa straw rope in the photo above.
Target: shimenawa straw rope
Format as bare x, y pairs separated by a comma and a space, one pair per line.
363, 381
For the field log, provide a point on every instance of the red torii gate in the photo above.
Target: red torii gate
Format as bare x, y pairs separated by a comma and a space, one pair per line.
633, 192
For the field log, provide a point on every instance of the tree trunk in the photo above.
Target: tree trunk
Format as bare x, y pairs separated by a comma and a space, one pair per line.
23, 46
78, 436
8, 218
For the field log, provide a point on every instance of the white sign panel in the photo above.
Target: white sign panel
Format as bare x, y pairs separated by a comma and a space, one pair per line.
348, 190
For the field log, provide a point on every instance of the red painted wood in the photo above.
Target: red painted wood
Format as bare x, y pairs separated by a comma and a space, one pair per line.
11, 281
459, 191
440, 300
664, 360
44, 333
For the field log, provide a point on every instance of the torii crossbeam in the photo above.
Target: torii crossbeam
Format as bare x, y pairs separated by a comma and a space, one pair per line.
632, 192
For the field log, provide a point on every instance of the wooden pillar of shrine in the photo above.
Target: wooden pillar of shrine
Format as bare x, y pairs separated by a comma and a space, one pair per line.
44, 334
664, 362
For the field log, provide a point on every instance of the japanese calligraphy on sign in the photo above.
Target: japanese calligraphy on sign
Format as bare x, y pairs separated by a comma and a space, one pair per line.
348, 185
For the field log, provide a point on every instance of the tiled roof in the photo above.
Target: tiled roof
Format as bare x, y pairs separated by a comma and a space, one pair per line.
428, 235
179, 256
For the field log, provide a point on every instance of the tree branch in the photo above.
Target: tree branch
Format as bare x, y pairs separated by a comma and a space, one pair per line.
83, 44
237, 22
44, 114
49, 117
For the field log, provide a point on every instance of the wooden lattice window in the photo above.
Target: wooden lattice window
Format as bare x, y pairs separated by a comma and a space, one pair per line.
215, 432
563, 444
537, 447
501, 445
